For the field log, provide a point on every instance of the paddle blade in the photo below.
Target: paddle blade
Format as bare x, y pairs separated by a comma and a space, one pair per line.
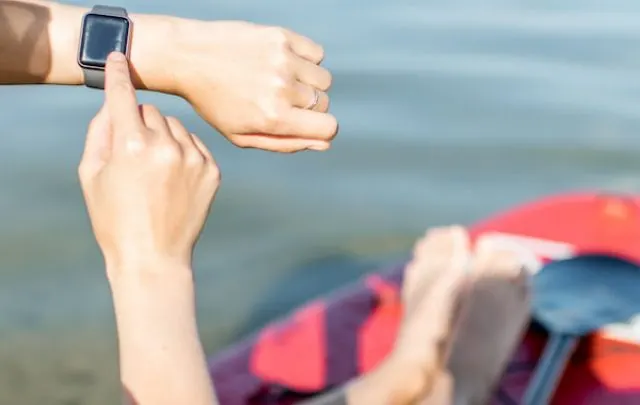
583, 294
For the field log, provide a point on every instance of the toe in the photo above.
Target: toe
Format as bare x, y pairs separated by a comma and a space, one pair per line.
440, 250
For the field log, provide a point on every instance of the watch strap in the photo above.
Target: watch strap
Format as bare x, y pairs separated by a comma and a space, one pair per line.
94, 78
110, 11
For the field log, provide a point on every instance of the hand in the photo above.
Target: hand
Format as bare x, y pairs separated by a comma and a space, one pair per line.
254, 84
148, 183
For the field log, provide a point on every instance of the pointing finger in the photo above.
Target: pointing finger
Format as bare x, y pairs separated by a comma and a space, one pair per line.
120, 98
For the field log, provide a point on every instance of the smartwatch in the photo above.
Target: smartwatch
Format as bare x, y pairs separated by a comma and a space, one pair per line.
105, 29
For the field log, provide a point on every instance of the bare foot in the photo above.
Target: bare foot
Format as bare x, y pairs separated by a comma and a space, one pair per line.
430, 294
494, 318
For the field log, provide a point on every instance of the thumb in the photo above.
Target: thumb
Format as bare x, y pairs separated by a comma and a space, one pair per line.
97, 149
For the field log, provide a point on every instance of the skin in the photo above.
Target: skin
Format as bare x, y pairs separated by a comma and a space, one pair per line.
149, 184
490, 326
434, 280
459, 329
252, 83
493, 323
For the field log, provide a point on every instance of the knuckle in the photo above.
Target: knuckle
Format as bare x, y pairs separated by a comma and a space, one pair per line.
167, 153
174, 122
278, 37
148, 109
93, 124
270, 122
134, 145
82, 172
214, 173
281, 88
281, 65
194, 159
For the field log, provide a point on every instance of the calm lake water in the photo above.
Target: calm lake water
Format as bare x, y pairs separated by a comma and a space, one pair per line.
449, 111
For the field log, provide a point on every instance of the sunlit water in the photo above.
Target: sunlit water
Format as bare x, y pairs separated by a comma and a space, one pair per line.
448, 110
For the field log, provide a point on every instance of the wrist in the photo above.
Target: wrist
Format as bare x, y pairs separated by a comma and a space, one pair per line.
152, 36
151, 53
153, 300
148, 270
64, 37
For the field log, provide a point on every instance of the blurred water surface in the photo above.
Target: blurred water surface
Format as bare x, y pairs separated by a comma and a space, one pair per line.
449, 111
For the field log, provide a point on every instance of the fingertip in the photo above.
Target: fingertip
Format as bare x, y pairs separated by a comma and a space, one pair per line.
116, 67
116, 57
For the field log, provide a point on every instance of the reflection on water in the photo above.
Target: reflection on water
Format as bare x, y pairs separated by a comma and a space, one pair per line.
449, 111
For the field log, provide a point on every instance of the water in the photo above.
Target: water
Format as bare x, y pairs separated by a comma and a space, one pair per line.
449, 111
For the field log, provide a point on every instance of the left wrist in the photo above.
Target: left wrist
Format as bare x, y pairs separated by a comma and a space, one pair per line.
152, 35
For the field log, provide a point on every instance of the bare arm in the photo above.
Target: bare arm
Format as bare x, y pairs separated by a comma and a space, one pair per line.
161, 357
235, 74
39, 45
133, 175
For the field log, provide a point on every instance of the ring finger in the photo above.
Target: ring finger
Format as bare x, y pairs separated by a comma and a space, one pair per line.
309, 98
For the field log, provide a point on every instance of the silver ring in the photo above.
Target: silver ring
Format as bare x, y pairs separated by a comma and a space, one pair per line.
316, 99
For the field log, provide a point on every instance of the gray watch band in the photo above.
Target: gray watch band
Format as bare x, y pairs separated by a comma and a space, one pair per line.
94, 78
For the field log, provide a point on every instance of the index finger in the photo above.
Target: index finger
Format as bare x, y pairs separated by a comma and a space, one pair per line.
120, 96
305, 47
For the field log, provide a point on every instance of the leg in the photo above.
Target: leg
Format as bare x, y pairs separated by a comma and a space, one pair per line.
430, 288
491, 326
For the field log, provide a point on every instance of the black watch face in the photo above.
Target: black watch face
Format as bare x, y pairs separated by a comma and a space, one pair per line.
101, 36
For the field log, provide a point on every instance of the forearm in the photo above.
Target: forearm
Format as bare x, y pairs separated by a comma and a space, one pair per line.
162, 361
39, 45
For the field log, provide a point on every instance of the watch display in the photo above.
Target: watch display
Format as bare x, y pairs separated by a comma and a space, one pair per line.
102, 35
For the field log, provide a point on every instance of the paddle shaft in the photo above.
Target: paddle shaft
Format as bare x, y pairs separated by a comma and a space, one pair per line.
547, 374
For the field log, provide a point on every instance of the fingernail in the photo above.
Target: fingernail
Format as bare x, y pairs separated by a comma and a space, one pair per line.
117, 57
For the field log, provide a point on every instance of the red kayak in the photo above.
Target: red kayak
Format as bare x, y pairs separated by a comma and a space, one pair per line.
328, 342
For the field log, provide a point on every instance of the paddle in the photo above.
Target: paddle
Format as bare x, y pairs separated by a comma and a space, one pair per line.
571, 299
